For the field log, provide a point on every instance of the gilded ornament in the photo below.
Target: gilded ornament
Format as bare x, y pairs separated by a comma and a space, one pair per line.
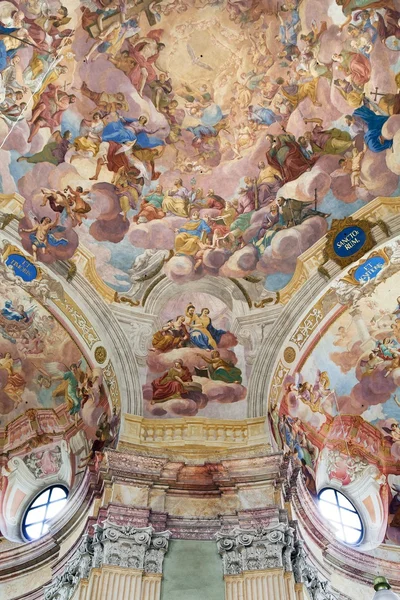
100, 354
289, 354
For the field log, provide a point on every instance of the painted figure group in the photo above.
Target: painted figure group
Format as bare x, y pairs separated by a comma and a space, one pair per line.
243, 110
191, 331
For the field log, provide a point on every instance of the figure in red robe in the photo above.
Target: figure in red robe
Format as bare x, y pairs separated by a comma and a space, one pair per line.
286, 156
145, 52
171, 384
49, 111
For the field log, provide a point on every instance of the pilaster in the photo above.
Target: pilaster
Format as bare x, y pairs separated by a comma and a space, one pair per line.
121, 562
111, 582
268, 563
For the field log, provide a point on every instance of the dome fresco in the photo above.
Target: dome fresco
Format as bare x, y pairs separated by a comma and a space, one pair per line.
222, 136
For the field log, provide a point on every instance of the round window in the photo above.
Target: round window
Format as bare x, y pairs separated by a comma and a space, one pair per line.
44, 508
341, 513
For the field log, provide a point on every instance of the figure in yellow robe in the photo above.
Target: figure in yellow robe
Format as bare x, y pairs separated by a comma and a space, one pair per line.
191, 238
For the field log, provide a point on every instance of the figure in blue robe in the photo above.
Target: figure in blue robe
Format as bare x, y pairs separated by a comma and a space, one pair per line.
6, 55
373, 136
51, 239
131, 131
212, 115
202, 131
261, 115
14, 314
288, 28
202, 332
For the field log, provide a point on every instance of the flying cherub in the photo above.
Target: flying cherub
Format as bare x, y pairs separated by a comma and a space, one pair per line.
196, 59
393, 432
41, 235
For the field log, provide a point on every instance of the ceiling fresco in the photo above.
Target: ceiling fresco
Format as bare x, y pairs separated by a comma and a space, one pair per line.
221, 136
48, 390
338, 410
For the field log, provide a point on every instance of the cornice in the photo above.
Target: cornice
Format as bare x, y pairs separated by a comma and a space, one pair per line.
204, 478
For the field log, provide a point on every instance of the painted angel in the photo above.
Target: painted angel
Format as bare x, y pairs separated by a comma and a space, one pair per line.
313, 395
70, 386
41, 235
393, 432
89, 385
15, 383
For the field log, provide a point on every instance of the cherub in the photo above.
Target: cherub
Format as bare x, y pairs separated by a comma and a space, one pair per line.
356, 160
80, 207
343, 336
41, 236
58, 201
367, 366
394, 430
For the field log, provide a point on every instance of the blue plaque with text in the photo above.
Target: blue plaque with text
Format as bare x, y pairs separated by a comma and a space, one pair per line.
349, 241
22, 267
369, 269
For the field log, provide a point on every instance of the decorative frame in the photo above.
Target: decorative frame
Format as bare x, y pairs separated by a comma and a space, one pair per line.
350, 277
338, 226
14, 250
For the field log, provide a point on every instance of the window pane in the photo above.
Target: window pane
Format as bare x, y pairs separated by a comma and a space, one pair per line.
328, 496
46, 506
339, 531
57, 493
34, 531
350, 518
345, 503
41, 499
352, 535
330, 512
54, 508
35, 515
342, 515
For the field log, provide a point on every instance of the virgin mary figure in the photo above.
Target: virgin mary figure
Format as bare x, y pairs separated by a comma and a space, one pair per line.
202, 332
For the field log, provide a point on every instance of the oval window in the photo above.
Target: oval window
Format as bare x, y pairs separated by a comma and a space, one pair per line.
44, 507
341, 513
